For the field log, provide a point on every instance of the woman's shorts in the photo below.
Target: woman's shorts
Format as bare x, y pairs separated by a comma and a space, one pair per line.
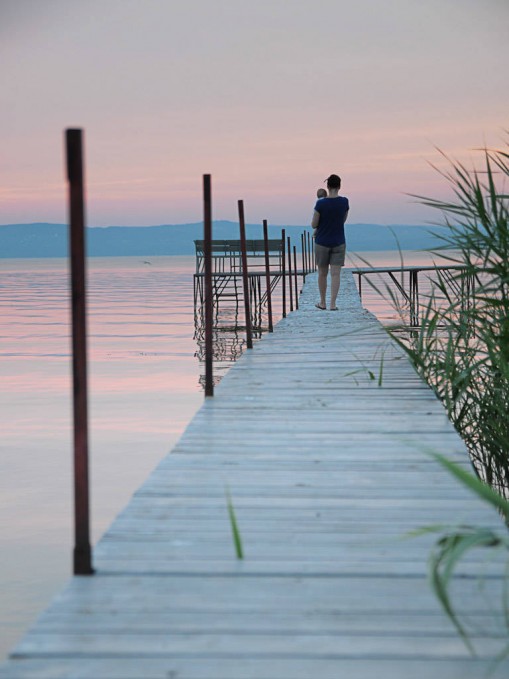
335, 255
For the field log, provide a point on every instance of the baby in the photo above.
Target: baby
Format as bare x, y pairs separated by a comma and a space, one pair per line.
321, 193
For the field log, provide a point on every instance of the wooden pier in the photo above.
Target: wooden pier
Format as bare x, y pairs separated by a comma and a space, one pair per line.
322, 446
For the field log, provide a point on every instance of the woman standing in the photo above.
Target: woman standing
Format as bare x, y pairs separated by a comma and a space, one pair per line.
329, 232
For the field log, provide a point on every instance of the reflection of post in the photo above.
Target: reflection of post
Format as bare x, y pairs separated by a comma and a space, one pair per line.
82, 552
290, 287
207, 253
267, 273
295, 276
249, 335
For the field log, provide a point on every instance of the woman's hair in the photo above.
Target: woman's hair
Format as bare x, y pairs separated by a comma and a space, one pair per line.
333, 182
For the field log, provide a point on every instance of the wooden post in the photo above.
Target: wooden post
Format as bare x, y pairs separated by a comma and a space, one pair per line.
245, 281
207, 254
290, 286
303, 254
296, 278
82, 555
283, 270
267, 273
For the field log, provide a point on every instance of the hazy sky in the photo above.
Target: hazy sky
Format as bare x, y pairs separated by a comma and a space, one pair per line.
268, 96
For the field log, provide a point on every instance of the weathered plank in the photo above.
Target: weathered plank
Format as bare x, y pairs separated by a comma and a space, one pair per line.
252, 667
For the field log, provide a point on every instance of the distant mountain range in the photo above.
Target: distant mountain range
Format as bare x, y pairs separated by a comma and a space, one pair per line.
51, 240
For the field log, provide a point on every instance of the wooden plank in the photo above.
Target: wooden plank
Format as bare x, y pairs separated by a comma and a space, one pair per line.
297, 594
269, 622
220, 646
253, 668
203, 564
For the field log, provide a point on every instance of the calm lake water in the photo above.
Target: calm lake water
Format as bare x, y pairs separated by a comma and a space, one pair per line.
144, 387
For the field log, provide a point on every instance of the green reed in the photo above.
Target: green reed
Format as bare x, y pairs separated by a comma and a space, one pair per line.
462, 350
466, 362
456, 541
236, 536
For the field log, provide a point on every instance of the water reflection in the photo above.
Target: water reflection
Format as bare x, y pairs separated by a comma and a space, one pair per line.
229, 330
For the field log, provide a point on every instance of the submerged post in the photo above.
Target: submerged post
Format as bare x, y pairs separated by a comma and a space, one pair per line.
267, 273
82, 555
245, 281
283, 270
207, 255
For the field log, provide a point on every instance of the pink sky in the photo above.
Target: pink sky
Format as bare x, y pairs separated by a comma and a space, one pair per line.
270, 97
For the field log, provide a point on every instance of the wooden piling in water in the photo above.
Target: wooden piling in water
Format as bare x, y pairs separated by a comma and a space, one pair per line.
290, 286
283, 271
267, 274
207, 253
295, 277
303, 255
82, 554
247, 306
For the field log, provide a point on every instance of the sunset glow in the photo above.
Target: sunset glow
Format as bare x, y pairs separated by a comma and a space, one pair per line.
269, 97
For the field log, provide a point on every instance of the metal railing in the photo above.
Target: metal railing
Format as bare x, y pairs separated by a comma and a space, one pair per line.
251, 262
405, 280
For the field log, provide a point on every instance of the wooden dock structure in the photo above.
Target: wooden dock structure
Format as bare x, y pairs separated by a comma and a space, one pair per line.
275, 265
323, 448
404, 281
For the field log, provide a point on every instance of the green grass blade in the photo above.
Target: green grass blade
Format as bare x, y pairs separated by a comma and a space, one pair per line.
475, 484
237, 539
381, 373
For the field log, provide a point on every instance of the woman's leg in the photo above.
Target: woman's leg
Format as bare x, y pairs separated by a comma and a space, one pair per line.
335, 278
322, 283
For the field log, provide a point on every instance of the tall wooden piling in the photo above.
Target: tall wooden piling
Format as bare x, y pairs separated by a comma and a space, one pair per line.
245, 281
283, 271
290, 286
267, 273
295, 277
82, 555
303, 255
207, 254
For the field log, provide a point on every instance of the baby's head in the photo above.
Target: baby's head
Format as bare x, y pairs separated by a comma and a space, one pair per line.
321, 193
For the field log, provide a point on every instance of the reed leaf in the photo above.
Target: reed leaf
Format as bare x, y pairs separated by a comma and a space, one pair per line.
475, 484
462, 350
237, 539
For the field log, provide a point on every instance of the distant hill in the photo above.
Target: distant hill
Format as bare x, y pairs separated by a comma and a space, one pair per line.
51, 240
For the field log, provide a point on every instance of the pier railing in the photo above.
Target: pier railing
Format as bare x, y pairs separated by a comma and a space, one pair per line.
236, 270
226, 255
227, 283
408, 282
